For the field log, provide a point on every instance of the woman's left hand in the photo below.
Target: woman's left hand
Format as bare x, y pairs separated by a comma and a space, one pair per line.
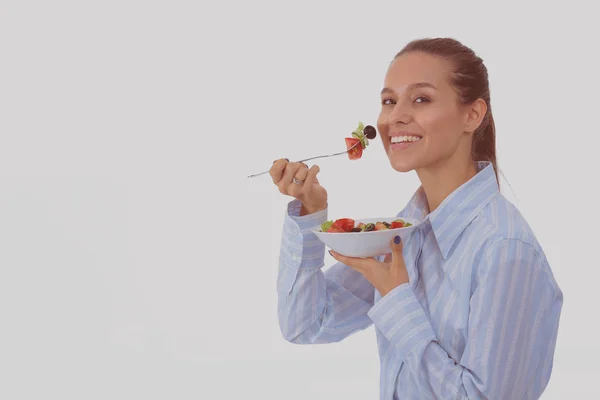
384, 276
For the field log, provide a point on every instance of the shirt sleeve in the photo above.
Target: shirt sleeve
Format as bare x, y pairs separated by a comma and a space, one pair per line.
316, 306
513, 325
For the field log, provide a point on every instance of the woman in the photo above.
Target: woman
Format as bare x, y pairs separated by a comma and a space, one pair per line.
468, 307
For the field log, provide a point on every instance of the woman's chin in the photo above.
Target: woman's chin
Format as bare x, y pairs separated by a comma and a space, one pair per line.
402, 165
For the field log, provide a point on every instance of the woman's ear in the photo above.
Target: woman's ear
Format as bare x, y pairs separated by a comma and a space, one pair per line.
475, 113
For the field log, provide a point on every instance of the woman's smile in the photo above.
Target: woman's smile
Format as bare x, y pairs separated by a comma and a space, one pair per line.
403, 140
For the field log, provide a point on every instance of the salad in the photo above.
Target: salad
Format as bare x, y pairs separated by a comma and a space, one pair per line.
349, 225
361, 135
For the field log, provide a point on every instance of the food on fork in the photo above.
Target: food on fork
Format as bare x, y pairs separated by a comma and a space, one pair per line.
361, 135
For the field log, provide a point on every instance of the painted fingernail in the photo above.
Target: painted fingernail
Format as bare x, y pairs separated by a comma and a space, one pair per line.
287, 159
330, 253
397, 239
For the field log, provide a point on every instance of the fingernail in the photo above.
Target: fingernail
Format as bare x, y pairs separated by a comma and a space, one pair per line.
330, 253
287, 159
397, 239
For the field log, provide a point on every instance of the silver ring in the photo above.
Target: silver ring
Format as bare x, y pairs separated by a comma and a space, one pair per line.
297, 181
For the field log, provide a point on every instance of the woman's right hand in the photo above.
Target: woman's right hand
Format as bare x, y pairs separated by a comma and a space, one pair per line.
305, 187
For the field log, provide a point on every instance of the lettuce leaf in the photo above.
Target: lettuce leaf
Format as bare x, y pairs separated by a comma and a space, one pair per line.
326, 225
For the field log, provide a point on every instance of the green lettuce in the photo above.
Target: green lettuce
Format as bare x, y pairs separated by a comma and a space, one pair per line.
359, 134
326, 225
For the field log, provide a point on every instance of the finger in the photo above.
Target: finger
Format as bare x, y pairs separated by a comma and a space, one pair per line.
286, 180
311, 176
277, 168
302, 172
296, 189
290, 172
397, 257
362, 265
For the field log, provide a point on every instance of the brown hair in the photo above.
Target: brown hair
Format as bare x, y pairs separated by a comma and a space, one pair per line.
470, 80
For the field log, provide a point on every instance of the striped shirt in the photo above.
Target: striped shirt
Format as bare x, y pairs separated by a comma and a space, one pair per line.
478, 319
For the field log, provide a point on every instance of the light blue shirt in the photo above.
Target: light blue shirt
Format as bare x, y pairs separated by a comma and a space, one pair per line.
478, 319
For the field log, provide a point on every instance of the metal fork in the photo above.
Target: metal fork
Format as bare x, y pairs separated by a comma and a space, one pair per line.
312, 158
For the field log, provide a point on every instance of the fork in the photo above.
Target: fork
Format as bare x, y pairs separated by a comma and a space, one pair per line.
312, 158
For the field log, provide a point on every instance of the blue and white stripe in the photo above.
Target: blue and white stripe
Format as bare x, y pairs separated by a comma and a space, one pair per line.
478, 319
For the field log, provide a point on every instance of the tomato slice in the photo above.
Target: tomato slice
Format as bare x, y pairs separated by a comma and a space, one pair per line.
356, 152
397, 224
345, 224
335, 229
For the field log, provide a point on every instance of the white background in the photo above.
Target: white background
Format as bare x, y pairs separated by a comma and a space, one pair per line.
137, 261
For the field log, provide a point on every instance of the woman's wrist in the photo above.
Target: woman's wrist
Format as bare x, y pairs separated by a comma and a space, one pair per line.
306, 211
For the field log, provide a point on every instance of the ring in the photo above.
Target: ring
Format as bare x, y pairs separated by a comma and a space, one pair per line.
297, 181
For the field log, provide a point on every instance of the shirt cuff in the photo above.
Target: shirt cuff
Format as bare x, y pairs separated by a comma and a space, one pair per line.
301, 247
402, 320
308, 221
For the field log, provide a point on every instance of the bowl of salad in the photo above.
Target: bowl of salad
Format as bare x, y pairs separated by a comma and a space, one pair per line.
368, 237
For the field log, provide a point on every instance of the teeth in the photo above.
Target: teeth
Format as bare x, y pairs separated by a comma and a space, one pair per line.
400, 139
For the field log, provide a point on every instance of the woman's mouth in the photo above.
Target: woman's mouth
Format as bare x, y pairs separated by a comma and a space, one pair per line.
403, 142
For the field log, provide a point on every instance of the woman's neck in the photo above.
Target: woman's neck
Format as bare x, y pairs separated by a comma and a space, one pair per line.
441, 180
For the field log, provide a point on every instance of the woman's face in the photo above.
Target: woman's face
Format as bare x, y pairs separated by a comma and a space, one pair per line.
422, 123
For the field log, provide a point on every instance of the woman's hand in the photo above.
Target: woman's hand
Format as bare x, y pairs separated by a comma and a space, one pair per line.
384, 276
300, 182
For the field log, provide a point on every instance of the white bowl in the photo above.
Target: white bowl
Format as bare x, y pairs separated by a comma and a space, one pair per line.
365, 244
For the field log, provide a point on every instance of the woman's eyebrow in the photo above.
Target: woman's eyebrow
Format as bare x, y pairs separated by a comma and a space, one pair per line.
410, 87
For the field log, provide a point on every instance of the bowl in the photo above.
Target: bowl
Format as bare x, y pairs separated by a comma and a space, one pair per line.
365, 244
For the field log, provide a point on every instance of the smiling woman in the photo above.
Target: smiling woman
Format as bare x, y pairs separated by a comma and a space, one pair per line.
466, 306
439, 99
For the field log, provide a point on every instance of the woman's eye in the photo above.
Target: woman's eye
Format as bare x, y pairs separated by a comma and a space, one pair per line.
386, 102
424, 99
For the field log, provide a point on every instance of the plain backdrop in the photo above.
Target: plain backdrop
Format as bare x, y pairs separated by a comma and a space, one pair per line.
138, 261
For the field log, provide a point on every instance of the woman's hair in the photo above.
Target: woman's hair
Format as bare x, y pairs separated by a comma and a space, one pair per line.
470, 80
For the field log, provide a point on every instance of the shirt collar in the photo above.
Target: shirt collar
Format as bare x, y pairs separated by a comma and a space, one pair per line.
458, 210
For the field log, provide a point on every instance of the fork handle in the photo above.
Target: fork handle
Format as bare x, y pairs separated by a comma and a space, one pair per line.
262, 173
306, 159
328, 155
311, 158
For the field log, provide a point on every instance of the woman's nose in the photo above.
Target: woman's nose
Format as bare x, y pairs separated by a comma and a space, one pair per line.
400, 115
